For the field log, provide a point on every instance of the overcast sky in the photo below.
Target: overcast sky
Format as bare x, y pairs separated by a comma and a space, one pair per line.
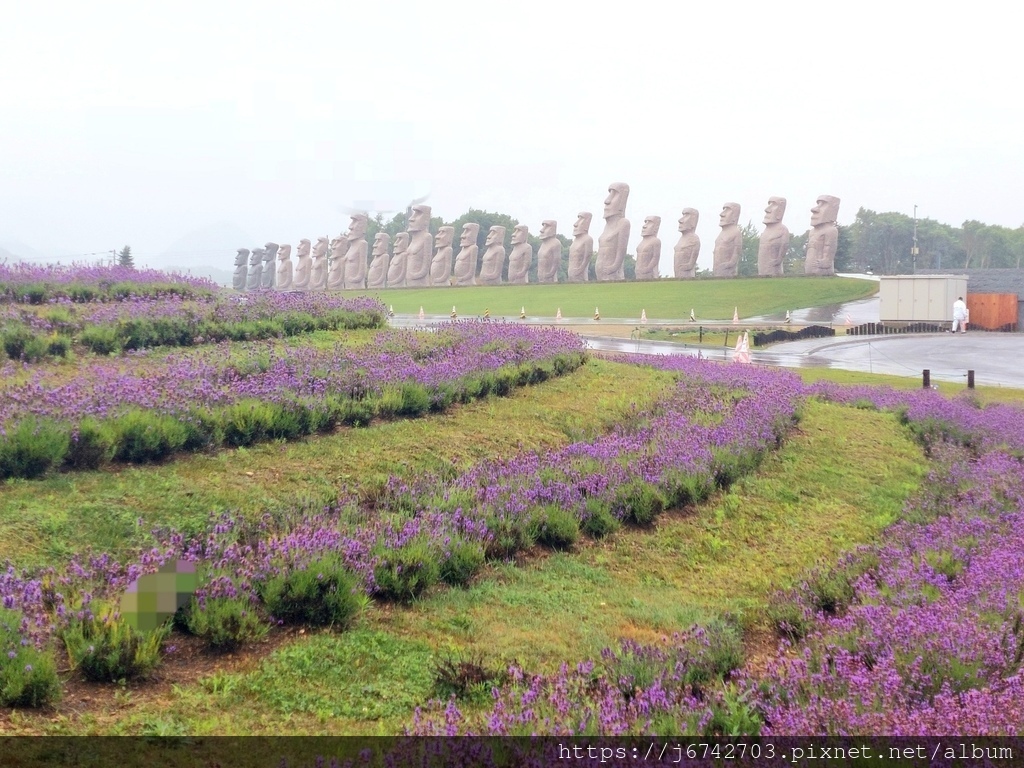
130, 122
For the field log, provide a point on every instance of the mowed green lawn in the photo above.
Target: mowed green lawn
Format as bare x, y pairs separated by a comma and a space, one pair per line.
710, 299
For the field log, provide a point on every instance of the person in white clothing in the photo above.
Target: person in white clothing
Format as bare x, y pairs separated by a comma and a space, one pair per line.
959, 315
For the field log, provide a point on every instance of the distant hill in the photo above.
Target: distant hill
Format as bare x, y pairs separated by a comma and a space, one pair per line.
208, 251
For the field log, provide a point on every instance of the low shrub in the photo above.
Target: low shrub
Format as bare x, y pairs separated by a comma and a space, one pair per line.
404, 573
324, 593
32, 447
225, 623
555, 527
464, 559
415, 400
109, 649
598, 520
143, 436
467, 676
92, 444
509, 534
28, 676
638, 502
101, 339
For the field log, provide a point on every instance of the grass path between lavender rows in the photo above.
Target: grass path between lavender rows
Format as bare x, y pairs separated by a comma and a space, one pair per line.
838, 481
44, 521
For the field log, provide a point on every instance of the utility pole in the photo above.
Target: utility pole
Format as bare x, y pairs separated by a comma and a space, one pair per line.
913, 251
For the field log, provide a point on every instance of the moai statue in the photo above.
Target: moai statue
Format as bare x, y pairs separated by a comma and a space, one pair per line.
399, 263
549, 255
688, 248
421, 247
521, 257
823, 238
377, 274
254, 279
493, 261
729, 243
240, 278
355, 255
318, 275
582, 250
441, 264
771, 250
270, 265
283, 281
648, 253
336, 272
611, 245
465, 263
303, 266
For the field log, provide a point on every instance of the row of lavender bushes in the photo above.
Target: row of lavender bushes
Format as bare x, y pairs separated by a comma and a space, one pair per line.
920, 635
171, 320
144, 410
25, 283
321, 566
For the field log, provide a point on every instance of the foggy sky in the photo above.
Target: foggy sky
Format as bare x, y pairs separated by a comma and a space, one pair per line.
131, 123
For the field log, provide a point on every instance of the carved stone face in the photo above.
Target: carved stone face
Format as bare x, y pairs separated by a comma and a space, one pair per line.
470, 232
825, 211
496, 236
615, 203
303, 248
381, 243
401, 241
775, 211
548, 228
520, 234
651, 226
730, 214
582, 225
357, 227
336, 243
241, 256
445, 236
420, 218
321, 246
688, 221
271, 247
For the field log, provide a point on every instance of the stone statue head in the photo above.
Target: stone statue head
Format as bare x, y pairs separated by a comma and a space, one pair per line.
445, 237
775, 211
270, 251
380, 243
825, 210
582, 225
730, 215
270, 247
688, 220
520, 234
496, 236
357, 229
259, 252
651, 226
548, 228
615, 203
420, 218
337, 246
284, 252
402, 242
321, 246
470, 233
242, 256
303, 248
254, 259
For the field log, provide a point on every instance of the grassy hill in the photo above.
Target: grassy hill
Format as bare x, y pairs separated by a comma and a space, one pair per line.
711, 299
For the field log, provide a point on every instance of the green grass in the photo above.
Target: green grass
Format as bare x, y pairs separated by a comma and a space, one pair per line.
837, 482
711, 299
44, 521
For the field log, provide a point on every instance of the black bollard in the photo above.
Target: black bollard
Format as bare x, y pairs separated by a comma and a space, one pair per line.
926, 379
700, 338
970, 379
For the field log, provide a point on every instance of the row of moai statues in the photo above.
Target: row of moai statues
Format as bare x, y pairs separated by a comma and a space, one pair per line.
419, 260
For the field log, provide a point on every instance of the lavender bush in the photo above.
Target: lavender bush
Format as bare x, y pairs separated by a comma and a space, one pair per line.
38, 284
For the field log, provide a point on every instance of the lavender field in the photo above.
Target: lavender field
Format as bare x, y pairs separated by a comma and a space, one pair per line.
918, 633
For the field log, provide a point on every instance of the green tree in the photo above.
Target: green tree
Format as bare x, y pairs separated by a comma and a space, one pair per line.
748, 255
124, 257
881, 242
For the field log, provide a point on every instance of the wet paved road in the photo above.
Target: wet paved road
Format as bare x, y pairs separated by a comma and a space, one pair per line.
996, 358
